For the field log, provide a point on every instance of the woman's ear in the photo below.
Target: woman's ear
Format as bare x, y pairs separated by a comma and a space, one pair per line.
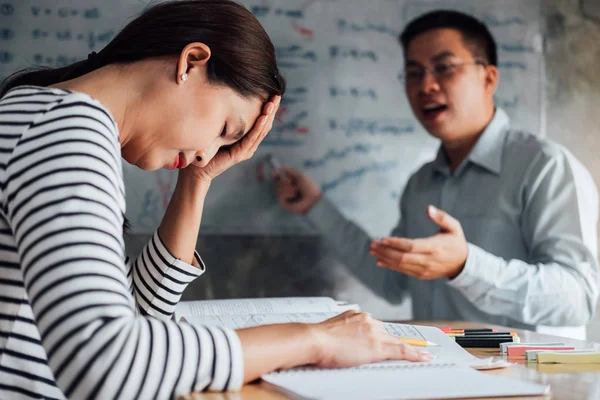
192, 60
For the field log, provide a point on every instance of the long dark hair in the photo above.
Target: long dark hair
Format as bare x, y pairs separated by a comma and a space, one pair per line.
242, 54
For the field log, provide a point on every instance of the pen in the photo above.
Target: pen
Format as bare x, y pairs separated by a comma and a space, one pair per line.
274, 163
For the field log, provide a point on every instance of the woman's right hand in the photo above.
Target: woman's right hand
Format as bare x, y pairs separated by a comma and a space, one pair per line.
354, 338
243, 150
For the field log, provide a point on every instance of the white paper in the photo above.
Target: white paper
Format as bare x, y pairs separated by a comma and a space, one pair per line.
490, 363
249, 321
275, 305
431, 382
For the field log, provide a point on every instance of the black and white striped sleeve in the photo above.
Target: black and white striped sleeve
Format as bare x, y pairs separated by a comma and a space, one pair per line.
65, 201
158, 278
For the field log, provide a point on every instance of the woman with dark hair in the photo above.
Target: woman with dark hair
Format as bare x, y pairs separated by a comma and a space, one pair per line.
192, 85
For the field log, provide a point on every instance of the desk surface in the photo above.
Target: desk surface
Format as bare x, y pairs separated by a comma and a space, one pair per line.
568, 382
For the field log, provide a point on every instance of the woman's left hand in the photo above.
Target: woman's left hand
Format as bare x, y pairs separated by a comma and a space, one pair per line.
242, 150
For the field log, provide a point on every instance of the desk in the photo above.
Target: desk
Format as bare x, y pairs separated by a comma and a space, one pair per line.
568, 382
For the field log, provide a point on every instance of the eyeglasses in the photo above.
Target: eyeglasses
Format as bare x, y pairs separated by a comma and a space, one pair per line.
414, 75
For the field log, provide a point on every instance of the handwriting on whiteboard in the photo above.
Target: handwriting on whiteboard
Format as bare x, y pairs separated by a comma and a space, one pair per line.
358, 173
345, 26
339, 52
372, 127
332, 154
353, 91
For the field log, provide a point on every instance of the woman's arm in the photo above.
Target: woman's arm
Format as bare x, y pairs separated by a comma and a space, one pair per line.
350, 339
181, 223
168, 263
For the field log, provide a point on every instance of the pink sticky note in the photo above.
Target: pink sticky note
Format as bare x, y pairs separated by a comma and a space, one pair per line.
512, 351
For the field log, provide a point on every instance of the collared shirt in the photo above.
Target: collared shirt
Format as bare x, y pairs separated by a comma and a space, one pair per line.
529, 211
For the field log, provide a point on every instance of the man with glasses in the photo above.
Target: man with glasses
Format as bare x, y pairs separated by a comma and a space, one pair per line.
499, 228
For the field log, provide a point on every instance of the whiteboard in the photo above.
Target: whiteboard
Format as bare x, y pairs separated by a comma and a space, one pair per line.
345, 119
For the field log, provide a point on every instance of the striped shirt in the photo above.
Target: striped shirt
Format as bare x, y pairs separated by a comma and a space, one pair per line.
78, 320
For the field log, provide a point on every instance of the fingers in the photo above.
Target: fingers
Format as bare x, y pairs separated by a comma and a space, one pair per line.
426, 272
354, 338
390, 346
425, 245
285, 188
261, 128
345, 317
246, 145
270, 112
276, 100
260, 131
413, 264
406, 268
399, 350
292, 172
443, 219
399, 258
415, 271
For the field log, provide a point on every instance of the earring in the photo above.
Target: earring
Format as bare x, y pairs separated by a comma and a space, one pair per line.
184, 76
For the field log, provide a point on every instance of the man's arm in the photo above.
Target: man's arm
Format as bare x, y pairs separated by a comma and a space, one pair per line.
558, 286
351, 244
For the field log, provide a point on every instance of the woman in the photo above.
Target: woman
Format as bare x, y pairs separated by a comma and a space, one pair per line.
191, 85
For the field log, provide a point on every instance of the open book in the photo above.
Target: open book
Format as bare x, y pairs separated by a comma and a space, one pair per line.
449, 375
246, 313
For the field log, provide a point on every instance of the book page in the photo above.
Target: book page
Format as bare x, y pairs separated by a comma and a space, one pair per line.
249, 321
446, 351
275, 305
403, 330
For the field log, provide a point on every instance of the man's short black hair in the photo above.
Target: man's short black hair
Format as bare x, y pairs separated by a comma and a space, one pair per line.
474, 32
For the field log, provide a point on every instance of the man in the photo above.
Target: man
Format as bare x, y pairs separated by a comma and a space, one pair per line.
515, 243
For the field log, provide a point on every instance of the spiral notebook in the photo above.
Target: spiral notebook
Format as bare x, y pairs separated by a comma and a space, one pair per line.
415, 381
449, 376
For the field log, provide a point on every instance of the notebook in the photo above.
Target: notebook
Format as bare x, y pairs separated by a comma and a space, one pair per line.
415, 382
449, 375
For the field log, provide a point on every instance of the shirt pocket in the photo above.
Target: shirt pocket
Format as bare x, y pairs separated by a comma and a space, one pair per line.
495, 234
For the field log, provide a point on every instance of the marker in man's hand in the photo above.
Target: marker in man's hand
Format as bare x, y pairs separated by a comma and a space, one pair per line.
277, 172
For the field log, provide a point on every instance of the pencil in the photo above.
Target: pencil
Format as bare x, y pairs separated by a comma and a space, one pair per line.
417, 342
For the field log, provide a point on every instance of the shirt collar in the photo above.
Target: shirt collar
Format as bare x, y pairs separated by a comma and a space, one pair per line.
487, 152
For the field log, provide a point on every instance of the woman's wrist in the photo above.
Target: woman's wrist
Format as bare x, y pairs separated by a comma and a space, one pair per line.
193, 184
317, 346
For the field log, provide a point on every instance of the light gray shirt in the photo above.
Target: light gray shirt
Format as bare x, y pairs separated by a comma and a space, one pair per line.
529, 211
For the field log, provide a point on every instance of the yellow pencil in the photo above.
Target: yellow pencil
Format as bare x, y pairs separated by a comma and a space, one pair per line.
417, 342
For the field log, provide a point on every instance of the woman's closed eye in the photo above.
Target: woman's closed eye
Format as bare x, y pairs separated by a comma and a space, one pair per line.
224, 131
